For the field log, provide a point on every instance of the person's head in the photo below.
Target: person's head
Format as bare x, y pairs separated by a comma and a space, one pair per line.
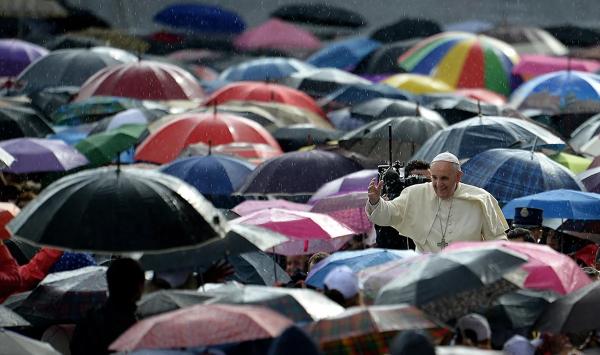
445, 174
125, 278
474, 330
417, 167
342, 281
530, 219
315, 258
520, 235
295, 263
411, 342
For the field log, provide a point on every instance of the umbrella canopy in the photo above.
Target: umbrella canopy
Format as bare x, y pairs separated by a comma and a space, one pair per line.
463, 60
346, 208
573, 313
547, 269
323, 81
531, 66
258, 268
278, 35
476, 135
118, 210
15, 343
483, 95
518, 310
378, 109
65, 297
455, 109
254, 153
135, 116
16, 55
511, 173
144, 80
66, 67
562, 203
41, 155
353, 182
406, 28
561, 92
354, 94
572, 162
383, 62
294, 137
300, 173
265, 69
9, 319
17, 121
201, 18
8, 211
408, 135
417, 83
528, 40
263, 92
592, 147
287, 114
309, 232
356, 260
164, 301
212, 174
585, 133
92, 109
344, 54
590, 179
167, 142
320, 14
250, 206
187, 327
103, 148
33, 9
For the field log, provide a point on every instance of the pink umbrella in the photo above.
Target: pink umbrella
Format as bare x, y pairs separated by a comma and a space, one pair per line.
547, 269
354, 182
310, 232
531, 66
346, 208
250, 206
277, 34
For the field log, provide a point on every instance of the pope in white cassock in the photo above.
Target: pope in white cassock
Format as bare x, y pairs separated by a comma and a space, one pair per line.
441, 211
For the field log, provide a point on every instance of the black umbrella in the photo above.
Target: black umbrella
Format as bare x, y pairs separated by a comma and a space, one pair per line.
294, 137
168, 300
381, 108
49, 99
70, 41
458, 109
575, 36
384, 60
574, 313
9, 319
323, 81
257, 268
118, 210
406, 28
67, 67
320, 14
18, 121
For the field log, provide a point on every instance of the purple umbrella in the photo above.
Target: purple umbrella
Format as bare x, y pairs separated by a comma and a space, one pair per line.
590, 179
16, 55
34, 155
354, 182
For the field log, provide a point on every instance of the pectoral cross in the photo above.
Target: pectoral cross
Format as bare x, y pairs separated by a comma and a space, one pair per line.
442, 244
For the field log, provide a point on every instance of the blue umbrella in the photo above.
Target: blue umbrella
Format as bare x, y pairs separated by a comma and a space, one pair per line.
212, 174
354, 94
264, 69
478, 134
201, 18
511, 173
72, 134
561, 203
344, 54
356, 260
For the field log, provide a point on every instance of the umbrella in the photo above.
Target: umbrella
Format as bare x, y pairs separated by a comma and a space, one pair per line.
9, 319
532, 66
287, 114
187, 327
587, 131
344, 54
457, 109
103, 148
562, 92
201, 18
320, 14
263, 92
592, 147
417, 83
65, 297
378, 109
258, 268
71, 41
294, 137
212, 174
66, 67
250, 206
484, 95
476, 135
511, 173
575, 36
528, 40
354, 94
573, 313
144, 80
41, 155
245, 109
255, 153
517, 310
16, 55
562, 203
308, 232
354, 182
406, 28
167, 142
164, 301
323, 81
16, 122
356, 260
116, 38
277, 35
264, 69
408, 135
92, 109
134, 116
299, 173
590, 179
15, 343
8, 211
424, 282
547, 269
383, 62
574, 163
118, 210
32, 9
346, 208
299, 305
463, 60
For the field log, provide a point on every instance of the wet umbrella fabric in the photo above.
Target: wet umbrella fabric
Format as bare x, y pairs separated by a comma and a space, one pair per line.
118, 210
201, 18
407, 28
590, 179
41, 155
561, 203
249, 206
294, 137
257, 268
135, 116
16, 122
265, 69
16, 55
354, 94
511, 173
277, 35
344, 54
15, 343
9, 318
354, 182
320, 14
458, 109
323, 81
164, 301
103, 148
377, 109
92, 109
519, 309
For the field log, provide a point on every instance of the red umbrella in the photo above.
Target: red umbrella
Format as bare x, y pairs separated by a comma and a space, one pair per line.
167, 142
202, 325
144, 80
255, 153
277, 34
7, 212
265, 92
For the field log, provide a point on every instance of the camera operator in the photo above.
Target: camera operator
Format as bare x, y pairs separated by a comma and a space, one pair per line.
436, 213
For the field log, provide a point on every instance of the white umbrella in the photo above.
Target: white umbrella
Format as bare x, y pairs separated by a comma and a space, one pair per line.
16, 344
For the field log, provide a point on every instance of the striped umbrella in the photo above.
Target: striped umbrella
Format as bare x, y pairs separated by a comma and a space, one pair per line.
463, 60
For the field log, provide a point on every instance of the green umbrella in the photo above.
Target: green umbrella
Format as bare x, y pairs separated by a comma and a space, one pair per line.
102, 148
574, 163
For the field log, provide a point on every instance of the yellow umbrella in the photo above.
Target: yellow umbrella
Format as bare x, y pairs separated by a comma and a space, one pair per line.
574, 163
417, 84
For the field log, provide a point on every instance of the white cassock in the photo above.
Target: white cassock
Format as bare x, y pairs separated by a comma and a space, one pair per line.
472, 214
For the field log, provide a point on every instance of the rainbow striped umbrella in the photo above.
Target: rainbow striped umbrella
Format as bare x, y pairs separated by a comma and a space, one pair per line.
463, 60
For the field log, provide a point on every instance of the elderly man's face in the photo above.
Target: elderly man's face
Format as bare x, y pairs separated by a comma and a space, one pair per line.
445, 177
